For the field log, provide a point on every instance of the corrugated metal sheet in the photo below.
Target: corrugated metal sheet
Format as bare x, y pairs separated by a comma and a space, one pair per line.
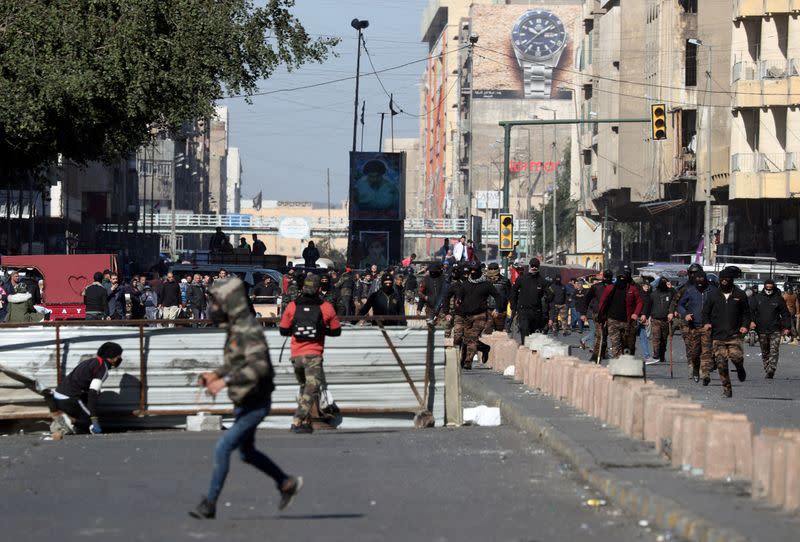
360, 369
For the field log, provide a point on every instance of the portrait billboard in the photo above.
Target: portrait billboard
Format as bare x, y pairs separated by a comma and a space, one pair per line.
525, 51
377, 185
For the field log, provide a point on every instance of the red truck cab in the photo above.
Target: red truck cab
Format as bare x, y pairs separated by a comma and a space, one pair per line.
65, 277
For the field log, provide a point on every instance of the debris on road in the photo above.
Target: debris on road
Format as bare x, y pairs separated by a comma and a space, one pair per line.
482, 415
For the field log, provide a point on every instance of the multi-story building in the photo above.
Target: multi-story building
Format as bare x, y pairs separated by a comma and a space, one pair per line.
234, 180
724, 72
482, 72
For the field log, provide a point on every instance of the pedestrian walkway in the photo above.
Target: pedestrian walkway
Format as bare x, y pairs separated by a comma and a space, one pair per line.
651, 487
767, 403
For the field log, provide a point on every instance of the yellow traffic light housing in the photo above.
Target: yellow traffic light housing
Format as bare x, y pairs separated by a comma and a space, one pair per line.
658, 121
506, 232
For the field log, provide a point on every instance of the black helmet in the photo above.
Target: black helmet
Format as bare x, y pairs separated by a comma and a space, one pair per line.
694, 268
473, 266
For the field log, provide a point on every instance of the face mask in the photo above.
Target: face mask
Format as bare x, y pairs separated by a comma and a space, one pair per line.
387, 286
475, 274
701, 283
769, 292
534, 271
622, 281
726, 286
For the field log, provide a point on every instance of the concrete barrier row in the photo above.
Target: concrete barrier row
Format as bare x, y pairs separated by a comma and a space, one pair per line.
713, 444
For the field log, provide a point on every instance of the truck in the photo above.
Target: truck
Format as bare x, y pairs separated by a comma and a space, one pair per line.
65, 277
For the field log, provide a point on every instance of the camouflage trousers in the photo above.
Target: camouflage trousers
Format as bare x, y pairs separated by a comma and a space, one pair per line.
496, 323
699, 350
621, 336
724, 350
600, 336
311, 377
467, 331
659, 335
560, 321
770, 343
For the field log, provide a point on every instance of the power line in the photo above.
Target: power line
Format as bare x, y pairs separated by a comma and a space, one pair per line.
341, 79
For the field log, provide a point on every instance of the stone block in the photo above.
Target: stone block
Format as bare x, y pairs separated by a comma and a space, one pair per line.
632, 423
665, 412
601, 384
729, 447
654, 396
204, 421
791, 501
690, 432
519, 361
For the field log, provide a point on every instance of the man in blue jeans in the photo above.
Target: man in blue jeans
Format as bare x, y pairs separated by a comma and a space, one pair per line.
248, 374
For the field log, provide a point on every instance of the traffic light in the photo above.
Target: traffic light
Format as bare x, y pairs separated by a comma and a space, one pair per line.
658, 121
506, 232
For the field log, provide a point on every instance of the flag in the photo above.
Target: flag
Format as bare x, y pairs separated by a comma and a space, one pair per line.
391, 106
257, 201
698, 255
363, 105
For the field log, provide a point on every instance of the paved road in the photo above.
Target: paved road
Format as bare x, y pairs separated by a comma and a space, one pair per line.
467, 484
767, 403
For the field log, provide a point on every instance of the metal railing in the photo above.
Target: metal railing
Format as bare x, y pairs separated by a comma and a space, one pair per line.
760, 162
759, 70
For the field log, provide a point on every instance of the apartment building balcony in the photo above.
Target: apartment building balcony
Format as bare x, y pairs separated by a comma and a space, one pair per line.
761, 8
766, 83
685, 166
757, 175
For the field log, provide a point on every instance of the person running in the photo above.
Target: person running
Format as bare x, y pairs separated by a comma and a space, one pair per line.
770, 318
726, 314
248, 374
308, 320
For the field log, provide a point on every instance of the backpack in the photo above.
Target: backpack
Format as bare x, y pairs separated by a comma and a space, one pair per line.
308, 324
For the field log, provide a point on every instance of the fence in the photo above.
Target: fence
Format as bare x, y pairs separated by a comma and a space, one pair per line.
378, 376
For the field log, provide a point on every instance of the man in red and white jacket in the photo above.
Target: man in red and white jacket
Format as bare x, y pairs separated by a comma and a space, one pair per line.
308, 320
620, 307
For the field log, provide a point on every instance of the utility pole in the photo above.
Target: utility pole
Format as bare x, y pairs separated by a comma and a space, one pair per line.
172, 236
380, 137
329, 206
707, 229
360, 26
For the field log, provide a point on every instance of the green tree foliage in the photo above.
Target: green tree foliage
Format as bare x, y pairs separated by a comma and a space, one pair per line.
565, 208
89, 78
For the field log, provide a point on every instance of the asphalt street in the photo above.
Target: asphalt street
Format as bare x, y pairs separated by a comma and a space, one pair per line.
767, 403
466, 484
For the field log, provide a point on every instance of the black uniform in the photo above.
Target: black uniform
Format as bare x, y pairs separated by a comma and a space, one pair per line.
529, 301
95, 298
78, 393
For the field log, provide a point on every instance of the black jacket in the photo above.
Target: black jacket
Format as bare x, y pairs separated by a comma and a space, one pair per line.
659, 305
431, 289
593, 298
558, 293
262, 289
769, 312
581, 298
472, 296
95, 297
196, 296
503, 288
530, 294
383, 304
726, 316
170, 294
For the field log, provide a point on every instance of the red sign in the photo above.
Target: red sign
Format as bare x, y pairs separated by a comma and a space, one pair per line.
516, 166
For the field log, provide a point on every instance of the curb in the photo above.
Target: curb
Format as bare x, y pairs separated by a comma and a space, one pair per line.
639, 501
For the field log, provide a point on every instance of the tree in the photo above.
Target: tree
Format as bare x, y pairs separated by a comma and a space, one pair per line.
90, 79
565, 208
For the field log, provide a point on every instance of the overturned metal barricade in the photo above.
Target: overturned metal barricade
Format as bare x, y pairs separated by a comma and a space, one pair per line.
379, 376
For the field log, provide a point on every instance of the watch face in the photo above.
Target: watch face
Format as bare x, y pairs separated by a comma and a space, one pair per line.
539, 34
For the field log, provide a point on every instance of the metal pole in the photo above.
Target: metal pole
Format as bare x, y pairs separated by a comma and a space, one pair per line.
506, 179
380, 137
355, 102
329, 207
707, 225
555, 193
172, 235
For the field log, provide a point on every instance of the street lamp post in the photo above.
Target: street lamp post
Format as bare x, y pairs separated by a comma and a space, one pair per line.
707, 107
360, 26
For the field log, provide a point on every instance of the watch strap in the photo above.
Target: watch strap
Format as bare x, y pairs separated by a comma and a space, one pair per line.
537, 79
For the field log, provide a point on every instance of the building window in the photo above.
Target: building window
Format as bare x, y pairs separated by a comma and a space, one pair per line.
688, 129
690, 79
689, 6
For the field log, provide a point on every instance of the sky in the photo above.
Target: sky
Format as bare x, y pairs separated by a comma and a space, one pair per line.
287, 140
